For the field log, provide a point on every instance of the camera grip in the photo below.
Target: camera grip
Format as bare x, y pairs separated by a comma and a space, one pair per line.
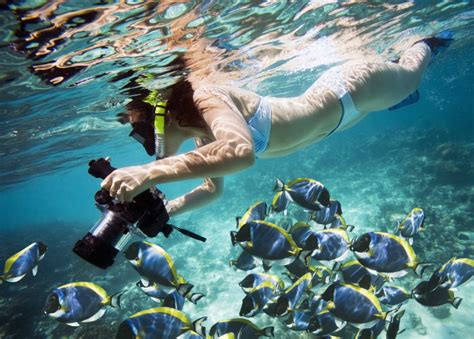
100, 168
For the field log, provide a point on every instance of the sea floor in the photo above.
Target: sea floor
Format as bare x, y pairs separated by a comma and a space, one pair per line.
377, 180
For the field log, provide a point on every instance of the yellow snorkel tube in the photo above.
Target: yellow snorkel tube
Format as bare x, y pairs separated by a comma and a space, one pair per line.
159, 124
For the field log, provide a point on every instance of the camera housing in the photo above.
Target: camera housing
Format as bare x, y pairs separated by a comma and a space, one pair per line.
146, 215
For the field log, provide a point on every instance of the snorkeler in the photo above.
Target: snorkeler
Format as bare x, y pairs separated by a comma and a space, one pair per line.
232, 126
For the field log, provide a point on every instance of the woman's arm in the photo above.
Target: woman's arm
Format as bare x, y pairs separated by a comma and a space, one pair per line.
229, 152
202, 195
210, 190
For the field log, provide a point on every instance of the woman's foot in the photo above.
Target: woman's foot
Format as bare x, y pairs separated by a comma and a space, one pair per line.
439, 42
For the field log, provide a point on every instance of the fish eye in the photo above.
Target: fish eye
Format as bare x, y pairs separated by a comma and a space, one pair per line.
282, 306
247, 281
52, 304
314, 324
329, 293
247, 306
324, 198
361, 244
311, 243
132, 252
125, 331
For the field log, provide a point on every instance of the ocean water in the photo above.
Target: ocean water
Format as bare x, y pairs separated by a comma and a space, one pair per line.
419, 156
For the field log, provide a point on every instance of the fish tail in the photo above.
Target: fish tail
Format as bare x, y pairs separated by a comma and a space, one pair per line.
114, 299
392, 313
237, 219
279, 185
267, 332
456, 302
184, 289
195, 297
198, 327
421, 267
350, 228
233, 237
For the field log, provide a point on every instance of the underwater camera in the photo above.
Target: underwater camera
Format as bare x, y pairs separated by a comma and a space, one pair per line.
145, 216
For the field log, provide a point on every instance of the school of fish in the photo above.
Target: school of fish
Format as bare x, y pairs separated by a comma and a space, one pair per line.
314, 276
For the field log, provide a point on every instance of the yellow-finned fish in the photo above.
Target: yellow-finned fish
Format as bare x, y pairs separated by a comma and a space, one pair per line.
305, 192
386, 253
154, 264
257, 211
160, 322
353, 304
21, 263
241, 328
79, 302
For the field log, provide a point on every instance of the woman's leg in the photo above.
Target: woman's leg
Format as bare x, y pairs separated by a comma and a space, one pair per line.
415, 60
378, 86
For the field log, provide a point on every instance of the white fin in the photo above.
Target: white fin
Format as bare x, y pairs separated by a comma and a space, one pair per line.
410, 241
398, 274
279, 185
73, 324
156, 299
15, 279
95, 317
343, 257
340, 324
145, 282
34, 270
366, 325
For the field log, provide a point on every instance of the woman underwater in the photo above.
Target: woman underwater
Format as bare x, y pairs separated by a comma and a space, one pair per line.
232, 126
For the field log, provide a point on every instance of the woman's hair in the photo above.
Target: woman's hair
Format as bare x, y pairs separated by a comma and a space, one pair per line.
180, 100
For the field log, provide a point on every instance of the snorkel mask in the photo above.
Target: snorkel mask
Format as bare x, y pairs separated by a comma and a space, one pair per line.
152, 138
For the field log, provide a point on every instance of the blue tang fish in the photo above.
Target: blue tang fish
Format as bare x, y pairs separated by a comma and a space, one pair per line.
412, 224
280, 202
291, 297
353, 272
327, 215
160, 322
353, 304
244, 262
426, 296
455, 272
241, 328
266, 241
20, 264
307, 193
299, 320
329, 244
79, 302
393, 295
386, 253
173, 299
257, 298
252, 280
300, 232
154, 264
323, 322
257, 211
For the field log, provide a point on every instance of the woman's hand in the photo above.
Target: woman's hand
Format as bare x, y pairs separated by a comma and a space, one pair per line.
126, 183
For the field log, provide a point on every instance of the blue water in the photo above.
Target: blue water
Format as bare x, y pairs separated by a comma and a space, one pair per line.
418, 156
